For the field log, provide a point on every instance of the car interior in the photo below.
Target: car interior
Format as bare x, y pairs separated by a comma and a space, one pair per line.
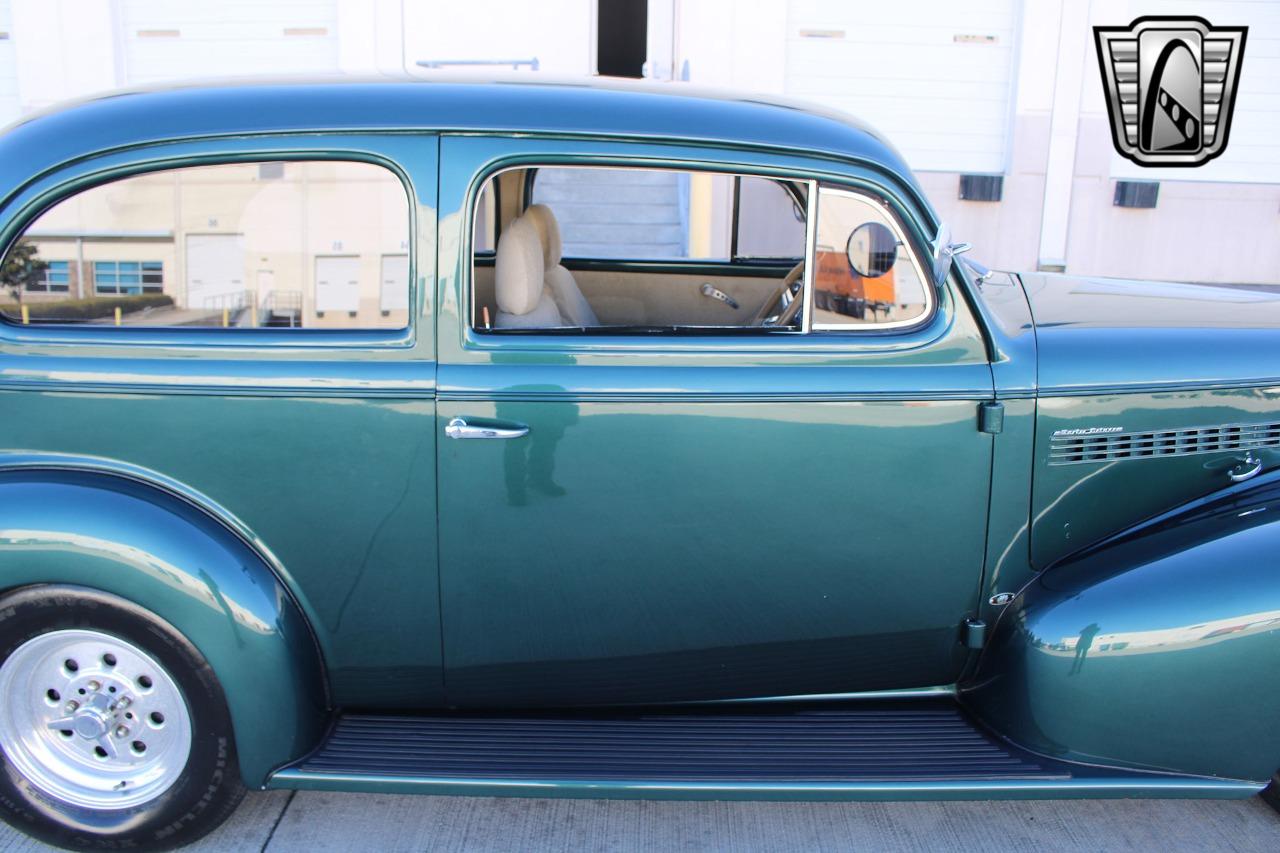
622, 250
525, 281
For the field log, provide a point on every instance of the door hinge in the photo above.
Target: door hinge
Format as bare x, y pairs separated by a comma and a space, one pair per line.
991, 417
975, 633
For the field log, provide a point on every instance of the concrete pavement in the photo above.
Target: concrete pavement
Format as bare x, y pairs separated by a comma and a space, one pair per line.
282, 822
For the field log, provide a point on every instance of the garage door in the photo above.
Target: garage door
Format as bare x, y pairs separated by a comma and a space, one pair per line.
558, 33
338, 284
395, 283
933, 75
8, 68
164, 40
215, 270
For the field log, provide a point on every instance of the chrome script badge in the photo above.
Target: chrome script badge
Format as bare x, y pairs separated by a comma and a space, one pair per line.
1170, 85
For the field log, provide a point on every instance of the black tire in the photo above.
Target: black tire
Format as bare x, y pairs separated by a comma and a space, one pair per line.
1271, 794
209, 788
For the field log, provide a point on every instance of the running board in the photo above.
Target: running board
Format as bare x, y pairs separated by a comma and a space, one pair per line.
900, 750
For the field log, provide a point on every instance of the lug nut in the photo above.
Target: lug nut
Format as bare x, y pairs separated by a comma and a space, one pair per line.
122, 731
122, 703
71, 706
93, 686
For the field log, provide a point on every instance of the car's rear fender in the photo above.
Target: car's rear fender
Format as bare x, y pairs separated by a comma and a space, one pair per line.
62, 524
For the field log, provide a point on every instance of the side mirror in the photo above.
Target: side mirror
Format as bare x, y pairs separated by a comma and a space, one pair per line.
943, 251
872, 249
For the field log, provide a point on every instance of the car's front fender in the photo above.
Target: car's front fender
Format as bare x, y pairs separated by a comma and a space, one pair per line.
1158, 649
150, 546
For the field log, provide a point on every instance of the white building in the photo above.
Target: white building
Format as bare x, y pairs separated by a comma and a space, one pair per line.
995, 89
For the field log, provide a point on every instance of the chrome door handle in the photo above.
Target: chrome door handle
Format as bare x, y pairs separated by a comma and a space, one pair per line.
1246, 469
459, 428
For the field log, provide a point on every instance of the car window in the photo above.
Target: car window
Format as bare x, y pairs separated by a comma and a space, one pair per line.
620, 220
866, 273
657, 214
770, 220
486, 219
319, 244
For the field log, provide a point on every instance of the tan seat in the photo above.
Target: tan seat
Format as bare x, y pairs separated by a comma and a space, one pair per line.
574, 307
524, 300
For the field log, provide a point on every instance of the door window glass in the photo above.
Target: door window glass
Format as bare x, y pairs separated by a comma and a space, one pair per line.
770, 219
581, 256
866, 274
320, 244
662, 214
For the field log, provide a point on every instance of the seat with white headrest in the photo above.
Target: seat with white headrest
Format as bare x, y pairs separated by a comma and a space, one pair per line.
573, 306
524, 301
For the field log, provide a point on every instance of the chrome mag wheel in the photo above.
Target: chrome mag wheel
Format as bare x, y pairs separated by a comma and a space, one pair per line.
92, 720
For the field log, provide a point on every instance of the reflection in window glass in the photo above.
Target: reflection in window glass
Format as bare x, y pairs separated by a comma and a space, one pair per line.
486, 219
770, 220
639, 214
866, 275
291, 245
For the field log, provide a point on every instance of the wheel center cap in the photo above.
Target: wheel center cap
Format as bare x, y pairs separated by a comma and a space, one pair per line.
89, 725
93, 720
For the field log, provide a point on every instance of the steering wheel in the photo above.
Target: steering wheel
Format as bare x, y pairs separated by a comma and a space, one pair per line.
788, 312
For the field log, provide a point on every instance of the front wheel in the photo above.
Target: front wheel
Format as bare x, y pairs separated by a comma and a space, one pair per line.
113, 729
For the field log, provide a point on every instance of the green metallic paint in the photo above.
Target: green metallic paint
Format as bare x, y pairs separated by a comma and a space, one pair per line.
359, 554
1098, 336
611, 586
1076, 505
65, 525
1156, 649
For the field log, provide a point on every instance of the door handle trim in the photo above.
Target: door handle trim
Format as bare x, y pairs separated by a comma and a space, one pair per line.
459, 428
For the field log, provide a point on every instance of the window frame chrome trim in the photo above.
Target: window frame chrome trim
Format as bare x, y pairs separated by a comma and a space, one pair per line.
810, 257
926, 282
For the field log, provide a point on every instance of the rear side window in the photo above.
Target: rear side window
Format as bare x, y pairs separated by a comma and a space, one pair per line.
319, 244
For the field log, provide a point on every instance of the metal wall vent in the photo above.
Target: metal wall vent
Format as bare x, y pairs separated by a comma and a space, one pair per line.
981, 187
1136, 194
1071, 449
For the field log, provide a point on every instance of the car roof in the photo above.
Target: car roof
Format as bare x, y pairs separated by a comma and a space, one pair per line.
586, 106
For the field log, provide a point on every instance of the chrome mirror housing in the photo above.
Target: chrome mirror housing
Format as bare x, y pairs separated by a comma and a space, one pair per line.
943, 252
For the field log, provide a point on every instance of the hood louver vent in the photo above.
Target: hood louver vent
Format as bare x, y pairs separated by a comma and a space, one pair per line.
1072, 449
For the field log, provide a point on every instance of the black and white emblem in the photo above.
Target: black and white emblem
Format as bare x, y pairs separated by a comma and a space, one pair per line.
1170, 85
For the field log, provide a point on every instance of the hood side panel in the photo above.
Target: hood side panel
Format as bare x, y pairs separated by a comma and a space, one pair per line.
1077, 503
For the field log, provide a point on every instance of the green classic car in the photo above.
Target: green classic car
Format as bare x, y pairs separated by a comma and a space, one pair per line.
550, 439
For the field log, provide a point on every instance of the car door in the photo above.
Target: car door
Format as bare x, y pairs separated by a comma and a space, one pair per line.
664, 518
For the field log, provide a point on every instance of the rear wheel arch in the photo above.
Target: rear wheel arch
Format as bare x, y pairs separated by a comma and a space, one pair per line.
162, 552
